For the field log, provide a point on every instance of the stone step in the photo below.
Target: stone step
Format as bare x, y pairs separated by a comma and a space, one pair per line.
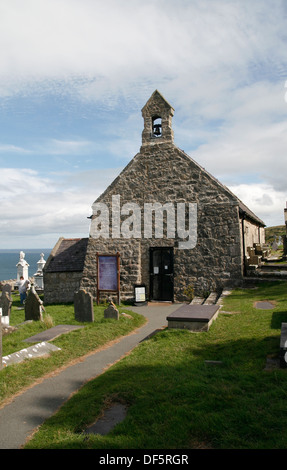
270, 275
211, 299
224, 294
197, 301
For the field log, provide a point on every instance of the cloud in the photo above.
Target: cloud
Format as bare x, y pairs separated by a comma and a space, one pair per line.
37, 208
105, 48
221, 64
264, 200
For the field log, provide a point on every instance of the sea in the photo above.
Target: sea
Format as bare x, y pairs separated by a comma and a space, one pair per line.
10, 258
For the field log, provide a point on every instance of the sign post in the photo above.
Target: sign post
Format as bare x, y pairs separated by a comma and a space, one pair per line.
140, 295
108, 274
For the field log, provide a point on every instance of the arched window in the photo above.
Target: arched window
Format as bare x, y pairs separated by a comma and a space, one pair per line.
156, 126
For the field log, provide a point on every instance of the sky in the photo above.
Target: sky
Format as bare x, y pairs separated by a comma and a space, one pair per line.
75, 74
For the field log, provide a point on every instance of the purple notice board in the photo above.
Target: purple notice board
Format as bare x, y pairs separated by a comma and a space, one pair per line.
108, 273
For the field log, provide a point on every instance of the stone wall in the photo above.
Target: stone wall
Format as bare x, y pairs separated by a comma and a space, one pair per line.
163, 173
60, 286
252, 234
130, 265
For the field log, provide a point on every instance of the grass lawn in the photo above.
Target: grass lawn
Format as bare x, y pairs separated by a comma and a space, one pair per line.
176, 400
73, 345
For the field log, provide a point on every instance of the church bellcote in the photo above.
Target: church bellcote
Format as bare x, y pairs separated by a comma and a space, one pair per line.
157, 114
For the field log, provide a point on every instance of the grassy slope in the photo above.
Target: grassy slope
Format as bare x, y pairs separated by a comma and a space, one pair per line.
271, 232
73, 345
178, 401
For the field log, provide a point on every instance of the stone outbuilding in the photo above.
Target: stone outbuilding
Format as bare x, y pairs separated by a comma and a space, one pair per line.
172, 223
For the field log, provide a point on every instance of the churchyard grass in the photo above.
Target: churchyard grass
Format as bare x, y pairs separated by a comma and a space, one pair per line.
73, 345
178, 400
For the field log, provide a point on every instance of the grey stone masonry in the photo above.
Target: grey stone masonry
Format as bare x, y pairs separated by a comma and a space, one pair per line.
157, 108
130, 262
163, 173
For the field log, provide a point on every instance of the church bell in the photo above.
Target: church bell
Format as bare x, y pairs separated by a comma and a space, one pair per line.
157, 129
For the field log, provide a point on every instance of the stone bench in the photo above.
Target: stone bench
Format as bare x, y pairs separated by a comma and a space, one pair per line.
283, 346
193, 317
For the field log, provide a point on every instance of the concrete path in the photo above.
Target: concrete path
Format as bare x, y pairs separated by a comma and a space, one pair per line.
30, 409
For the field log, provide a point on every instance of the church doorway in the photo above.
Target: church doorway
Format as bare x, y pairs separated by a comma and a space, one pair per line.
161, 273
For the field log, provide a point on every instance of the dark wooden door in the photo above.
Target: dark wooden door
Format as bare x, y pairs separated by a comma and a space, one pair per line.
161, 273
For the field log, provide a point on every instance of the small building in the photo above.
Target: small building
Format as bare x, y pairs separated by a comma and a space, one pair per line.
173, 224
63, 270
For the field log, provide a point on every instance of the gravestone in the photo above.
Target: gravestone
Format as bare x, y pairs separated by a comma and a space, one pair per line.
5, 304
7, 288
112, 312
33, 306
274, 246
83, 306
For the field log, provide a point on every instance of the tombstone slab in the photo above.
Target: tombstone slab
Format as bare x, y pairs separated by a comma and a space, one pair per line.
38, 350
52, 333
193, 317
264, 305
83, 306
112, 416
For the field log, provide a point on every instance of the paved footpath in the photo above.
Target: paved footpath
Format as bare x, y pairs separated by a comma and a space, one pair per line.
31, 408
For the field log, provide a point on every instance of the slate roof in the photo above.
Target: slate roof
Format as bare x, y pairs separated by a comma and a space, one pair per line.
68, 255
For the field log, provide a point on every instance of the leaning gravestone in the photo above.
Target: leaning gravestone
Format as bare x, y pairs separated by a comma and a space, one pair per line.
33, 306
7, 288
5, 304
111, 312
83, 306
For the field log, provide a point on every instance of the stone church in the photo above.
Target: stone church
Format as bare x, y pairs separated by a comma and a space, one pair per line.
169, 222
